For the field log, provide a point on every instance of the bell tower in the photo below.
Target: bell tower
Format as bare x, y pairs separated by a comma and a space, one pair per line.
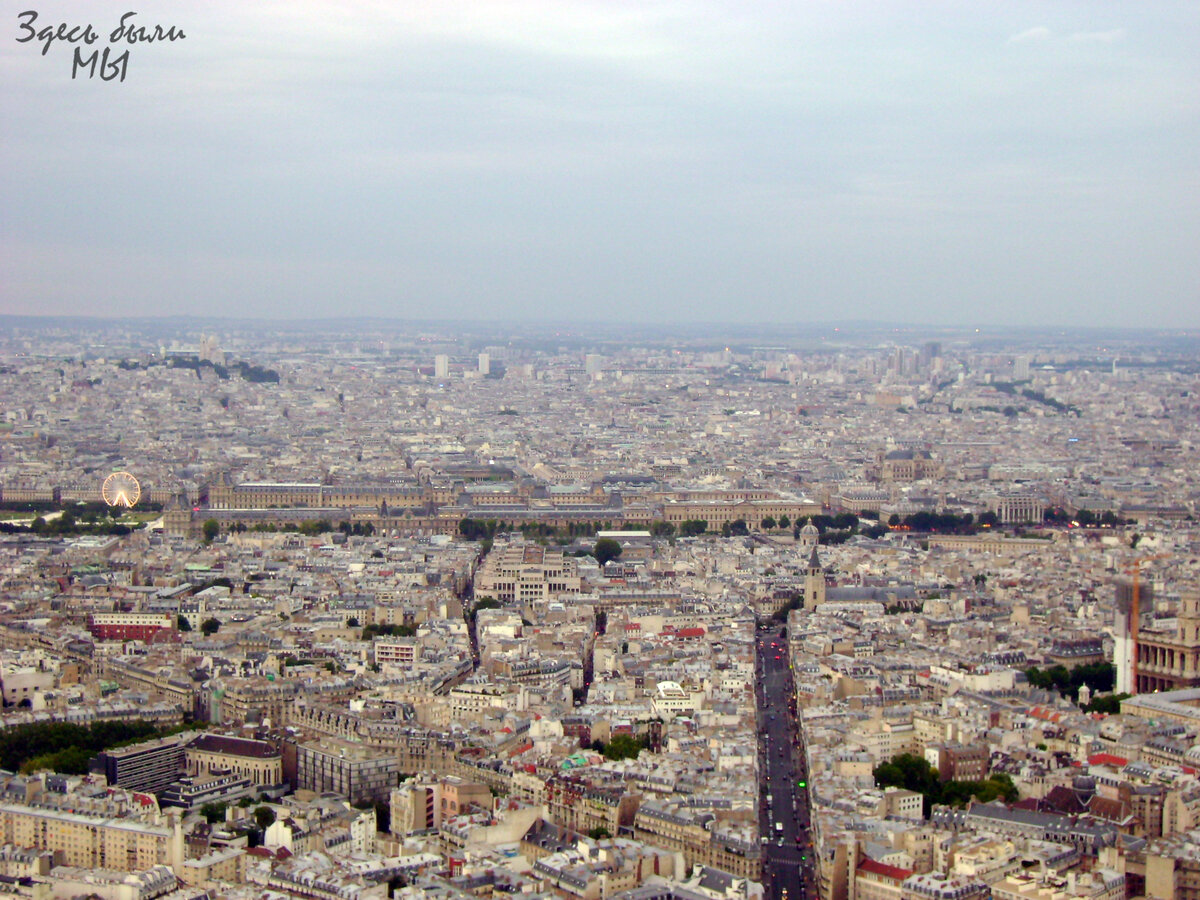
814, 582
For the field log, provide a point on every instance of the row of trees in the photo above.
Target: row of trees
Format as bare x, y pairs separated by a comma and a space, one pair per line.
248, 371
67, 525
914, 773
487, 529
1086, 518
1010, 388
375, 630
211, 528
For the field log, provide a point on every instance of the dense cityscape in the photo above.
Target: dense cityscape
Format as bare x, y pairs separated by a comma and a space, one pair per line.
411, 610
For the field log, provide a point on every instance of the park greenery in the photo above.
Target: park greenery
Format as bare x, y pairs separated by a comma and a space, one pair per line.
914, 773
1110, 704
832, 529
86, 518
248, 371
1010, 388
622, 746
487, 529
66, 747
1099, 677
309, 528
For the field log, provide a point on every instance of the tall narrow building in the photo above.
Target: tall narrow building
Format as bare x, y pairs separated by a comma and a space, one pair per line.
814, 582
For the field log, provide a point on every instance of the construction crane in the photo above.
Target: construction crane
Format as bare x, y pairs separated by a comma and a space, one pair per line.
1135, 612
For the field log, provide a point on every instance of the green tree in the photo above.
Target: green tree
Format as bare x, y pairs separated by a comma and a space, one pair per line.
352, 622
785, 522
599, 833
606, 549
213, 812
483, 603
183, 624
71, 761
264, 817
908, 771
210, 627
210, 529
623, 746
1109, 704
769, 523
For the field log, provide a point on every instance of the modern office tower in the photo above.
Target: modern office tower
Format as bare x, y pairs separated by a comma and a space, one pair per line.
149, 766
441, 366
485, 364
359, 773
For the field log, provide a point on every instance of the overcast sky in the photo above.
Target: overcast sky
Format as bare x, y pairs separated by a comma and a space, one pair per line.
815, 160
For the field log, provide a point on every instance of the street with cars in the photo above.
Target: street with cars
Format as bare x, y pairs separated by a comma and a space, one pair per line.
783, 797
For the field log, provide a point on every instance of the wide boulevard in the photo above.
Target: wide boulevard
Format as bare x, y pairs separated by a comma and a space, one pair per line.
783, 797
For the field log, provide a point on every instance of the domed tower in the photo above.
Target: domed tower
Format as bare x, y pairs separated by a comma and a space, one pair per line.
808, 539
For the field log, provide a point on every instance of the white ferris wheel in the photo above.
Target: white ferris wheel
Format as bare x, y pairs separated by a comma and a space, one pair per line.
121, 489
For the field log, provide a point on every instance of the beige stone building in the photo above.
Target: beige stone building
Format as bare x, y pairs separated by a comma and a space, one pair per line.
95, 842
1170, 660
689, 834
527, 573
259, 761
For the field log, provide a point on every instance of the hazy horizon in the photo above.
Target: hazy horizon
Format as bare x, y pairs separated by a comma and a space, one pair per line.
1034, 165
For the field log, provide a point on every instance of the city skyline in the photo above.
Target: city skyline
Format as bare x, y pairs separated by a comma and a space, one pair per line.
646, 164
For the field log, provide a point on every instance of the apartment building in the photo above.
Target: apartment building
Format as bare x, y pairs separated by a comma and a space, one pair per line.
688, 832
92, 842
400, 652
